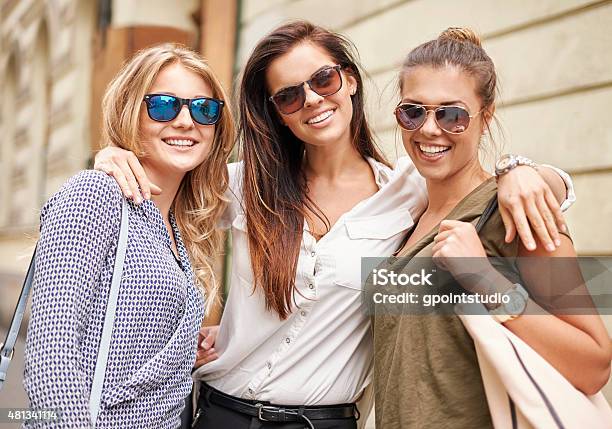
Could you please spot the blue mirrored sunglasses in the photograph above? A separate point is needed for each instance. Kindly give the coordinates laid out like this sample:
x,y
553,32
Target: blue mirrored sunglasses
x,y
164,108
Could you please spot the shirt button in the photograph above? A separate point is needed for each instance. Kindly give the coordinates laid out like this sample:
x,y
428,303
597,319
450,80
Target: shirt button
x,y
287,340
269,365
303,313
311,286
250,391
313,253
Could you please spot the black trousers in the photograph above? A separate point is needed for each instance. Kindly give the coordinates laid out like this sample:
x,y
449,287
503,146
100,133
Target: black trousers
x,y
213,416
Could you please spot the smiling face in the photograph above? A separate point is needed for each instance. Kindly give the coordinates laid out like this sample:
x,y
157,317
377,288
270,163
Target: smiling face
x,y
178,146
437,154
323,120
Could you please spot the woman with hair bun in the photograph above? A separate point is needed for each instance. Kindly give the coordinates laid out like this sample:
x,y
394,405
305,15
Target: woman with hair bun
x,y
426,369
166,106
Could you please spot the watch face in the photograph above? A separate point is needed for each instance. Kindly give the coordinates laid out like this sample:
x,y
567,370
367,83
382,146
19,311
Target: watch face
x,y
503,163
516,304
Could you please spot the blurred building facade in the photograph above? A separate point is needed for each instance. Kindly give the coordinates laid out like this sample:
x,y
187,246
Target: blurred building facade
x,y
56,57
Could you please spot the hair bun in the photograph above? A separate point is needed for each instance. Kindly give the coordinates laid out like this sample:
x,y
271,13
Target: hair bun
x,y
462,34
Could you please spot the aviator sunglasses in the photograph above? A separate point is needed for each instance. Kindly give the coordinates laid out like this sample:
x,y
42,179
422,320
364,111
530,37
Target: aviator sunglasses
x,y
452,119
325,82
165,108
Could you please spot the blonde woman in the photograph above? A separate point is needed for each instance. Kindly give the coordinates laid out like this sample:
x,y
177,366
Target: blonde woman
x,y
167,107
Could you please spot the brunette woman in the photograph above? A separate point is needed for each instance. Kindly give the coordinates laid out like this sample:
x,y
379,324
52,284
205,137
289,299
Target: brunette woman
x,y
426,369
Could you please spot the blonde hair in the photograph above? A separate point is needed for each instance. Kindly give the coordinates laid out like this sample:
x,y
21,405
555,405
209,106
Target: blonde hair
x,y
200,199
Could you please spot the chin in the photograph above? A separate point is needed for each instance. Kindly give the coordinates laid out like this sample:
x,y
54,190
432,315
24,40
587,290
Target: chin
x,y
429,172
187,168
435,176
324,137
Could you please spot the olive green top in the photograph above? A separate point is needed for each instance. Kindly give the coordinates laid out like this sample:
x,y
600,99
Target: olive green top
x,y
426,372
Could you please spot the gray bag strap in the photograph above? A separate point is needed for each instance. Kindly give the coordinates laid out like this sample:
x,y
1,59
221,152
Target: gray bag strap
x,y
109,320
7,349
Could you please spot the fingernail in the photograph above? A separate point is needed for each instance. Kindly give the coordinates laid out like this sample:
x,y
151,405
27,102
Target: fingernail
x,y
550,247
564,228
558,242
531,245
137,199
147,195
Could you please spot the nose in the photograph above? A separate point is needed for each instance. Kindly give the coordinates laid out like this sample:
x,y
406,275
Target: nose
x,y
430,127
183,120
312,98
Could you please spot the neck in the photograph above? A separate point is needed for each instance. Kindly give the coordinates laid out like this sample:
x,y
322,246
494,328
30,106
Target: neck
x,y
445,194
331,161
169,184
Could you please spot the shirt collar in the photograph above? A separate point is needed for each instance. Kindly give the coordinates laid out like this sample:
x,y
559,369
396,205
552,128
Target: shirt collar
x,y
157,224
382,172
182,250
156,221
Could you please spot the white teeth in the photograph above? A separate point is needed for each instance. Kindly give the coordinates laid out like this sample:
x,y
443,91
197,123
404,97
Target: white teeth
x,y
320,118
433,149
176,142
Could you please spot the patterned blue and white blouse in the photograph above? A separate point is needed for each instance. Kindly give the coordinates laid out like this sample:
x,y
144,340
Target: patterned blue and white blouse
x,y
158,315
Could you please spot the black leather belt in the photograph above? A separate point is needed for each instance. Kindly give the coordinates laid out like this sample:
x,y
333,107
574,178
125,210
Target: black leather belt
x,y
276,413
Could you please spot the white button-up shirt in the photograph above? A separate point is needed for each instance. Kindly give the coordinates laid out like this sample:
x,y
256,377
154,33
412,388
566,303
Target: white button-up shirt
x,y
322,353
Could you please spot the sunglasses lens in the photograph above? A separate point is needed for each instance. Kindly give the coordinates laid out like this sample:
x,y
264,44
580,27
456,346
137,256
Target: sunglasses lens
x,y
163,108
206,111
326,82
410,116
453,119
290,100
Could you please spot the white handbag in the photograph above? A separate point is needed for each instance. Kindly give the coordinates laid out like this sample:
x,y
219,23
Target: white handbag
x,y
523,390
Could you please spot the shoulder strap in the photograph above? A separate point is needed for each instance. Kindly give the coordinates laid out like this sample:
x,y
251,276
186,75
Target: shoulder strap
x,y
487,213
109,320
8,347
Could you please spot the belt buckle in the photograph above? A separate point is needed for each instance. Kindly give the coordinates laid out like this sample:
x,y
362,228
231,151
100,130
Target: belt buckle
x,y
261,408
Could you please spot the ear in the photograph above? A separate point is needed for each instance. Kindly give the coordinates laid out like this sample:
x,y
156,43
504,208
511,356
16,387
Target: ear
x,y
351,83
487,116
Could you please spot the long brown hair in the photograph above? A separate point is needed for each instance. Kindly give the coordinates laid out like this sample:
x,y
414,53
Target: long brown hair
x,y
200,199
275,194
